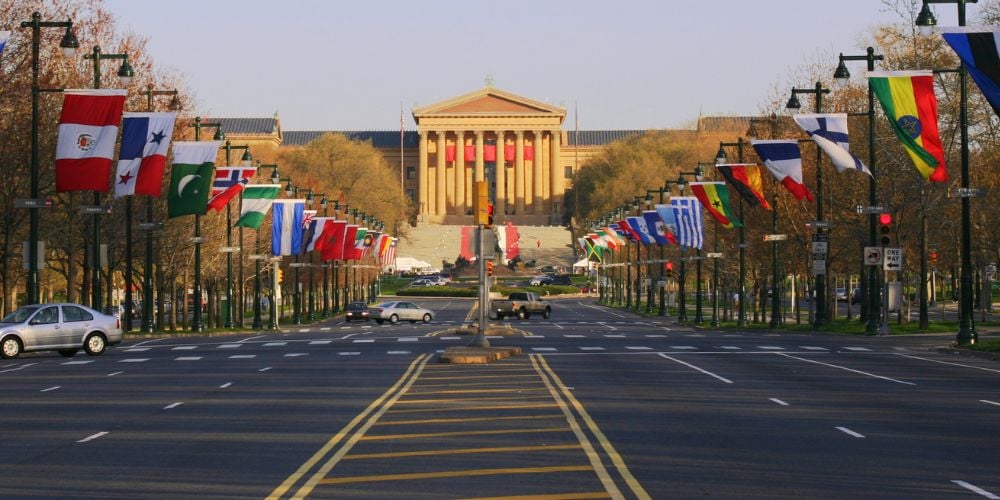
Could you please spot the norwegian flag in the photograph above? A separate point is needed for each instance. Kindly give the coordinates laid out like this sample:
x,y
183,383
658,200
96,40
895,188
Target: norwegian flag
x,y
229,182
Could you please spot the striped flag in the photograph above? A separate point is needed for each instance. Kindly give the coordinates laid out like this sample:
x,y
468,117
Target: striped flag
x,y
784,160
829,132
317,226
229,182
286,227
979,51
257,200
389,255
745,178
714,196
690,226
907,97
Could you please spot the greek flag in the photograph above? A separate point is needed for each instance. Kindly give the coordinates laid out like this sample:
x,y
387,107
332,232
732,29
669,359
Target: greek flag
x,y
690,227
829,132
286,226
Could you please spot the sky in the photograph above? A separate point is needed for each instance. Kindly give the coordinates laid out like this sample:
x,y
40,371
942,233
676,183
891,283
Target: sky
x,y
622,64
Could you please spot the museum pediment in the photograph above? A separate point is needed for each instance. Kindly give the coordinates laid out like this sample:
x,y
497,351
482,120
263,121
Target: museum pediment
x,y
489,101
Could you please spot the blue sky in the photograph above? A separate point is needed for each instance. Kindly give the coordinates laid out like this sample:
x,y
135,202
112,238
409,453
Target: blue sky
x,y
331,65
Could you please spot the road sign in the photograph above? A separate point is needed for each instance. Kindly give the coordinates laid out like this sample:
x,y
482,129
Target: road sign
x,y
819,247
150,226
873,256
229,249
819,267
968,192
95,209
775,237
714,255
893,260
32,203
257,256
877,209
819,224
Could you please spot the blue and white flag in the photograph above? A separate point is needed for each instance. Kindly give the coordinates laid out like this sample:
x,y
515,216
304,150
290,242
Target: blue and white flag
x,y
690,226
639,225
829,132
286,226
4,36
657,228
666,213
784,160
979,50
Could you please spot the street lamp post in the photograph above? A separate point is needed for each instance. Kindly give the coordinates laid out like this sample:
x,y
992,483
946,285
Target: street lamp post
x,y
841,76
69,44
649,296
325,311
246,159
125,74
335,264
196,324
720,157
966,328
257,320
698,173
793,105
147,324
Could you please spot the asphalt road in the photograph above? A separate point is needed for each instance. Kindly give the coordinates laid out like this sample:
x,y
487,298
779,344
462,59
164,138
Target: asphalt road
x,y
602,404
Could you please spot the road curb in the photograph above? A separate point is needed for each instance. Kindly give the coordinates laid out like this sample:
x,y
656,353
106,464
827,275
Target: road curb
x,y
989,356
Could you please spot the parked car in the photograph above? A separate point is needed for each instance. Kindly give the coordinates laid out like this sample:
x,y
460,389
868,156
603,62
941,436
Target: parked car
x,y
841,294
540,280
64,327
356,311
548,269
856,296
561,279
397,311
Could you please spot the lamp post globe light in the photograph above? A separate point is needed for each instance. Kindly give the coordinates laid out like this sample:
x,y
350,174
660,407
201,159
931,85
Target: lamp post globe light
x,y
125,75
793,106
926,21
841,76
720,158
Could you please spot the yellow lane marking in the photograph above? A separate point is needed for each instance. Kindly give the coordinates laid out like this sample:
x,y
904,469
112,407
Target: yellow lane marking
x,y
476,391
301,471
463,451
457,473
557,496
478,377
592,456
468,408
616,459
465,420
492,432
512,397
325,469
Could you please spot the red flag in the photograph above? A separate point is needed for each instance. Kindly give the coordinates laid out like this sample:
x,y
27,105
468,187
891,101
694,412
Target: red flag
x,y
88,131
333,241
349,239
449,152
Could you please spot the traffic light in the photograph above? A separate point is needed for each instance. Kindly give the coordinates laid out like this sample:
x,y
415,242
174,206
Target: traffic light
x,y
489,215
884,228
489,268
281,274
934,256
669,267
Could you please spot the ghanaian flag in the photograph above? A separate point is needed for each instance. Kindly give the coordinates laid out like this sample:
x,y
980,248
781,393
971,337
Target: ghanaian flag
x,y
745,177
714,196
907,97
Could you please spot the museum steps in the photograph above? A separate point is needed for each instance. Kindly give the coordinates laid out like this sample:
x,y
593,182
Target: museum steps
x,y
437,244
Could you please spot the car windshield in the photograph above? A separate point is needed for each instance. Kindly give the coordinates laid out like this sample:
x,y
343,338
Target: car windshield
x,y
19,316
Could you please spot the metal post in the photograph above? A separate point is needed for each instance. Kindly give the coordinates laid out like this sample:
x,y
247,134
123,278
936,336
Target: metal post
x,y
697,299
258,322
682,303
480,339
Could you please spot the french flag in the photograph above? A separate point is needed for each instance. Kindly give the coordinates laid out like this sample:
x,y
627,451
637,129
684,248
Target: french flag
x,y
784,160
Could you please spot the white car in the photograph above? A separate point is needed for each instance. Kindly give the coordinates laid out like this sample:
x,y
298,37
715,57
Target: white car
x,y
66,328
397,311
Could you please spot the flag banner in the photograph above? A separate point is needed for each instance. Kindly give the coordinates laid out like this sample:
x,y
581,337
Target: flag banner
x,y
4,36
627,230
389,256
229,182
690,226
286,226
257,200
191,177
621,233
979,50
638,224
143,154
350,236
614,239
746,178
714,196
829,132
489,152
907,97
378,246
512,249
470,154
666,213
592,251
657,228
468,248
317,226
784,159
369,242
88,131
449,152
355,250
307,227
333,240
529,152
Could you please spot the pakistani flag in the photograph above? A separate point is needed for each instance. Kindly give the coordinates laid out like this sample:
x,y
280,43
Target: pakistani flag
x,y
257,200
191,177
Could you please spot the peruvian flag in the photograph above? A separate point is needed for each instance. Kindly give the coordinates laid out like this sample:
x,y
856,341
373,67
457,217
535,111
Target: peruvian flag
x,y
143,155
88,130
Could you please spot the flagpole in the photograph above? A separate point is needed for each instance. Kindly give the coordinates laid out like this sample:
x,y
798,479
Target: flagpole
x,y
196,324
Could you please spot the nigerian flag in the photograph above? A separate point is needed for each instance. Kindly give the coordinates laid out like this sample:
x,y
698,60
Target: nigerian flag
x,y
257,200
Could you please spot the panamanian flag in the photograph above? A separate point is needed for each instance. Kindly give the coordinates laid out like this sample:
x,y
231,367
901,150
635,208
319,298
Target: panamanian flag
x,y
143,154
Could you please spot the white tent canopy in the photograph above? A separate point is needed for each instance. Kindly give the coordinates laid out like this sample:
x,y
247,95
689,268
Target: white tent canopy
x,y
407,264
584,264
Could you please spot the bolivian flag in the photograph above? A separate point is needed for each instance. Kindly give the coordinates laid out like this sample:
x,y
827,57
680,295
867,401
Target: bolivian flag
x,y
714,196
909,102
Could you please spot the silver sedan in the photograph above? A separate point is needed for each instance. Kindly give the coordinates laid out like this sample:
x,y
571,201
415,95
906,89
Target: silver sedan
x,y
397,311
66,328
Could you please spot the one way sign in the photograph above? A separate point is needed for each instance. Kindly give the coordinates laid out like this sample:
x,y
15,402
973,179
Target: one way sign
x,y
893,260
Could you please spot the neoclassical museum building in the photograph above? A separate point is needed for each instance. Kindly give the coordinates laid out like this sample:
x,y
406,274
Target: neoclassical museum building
x,y
518,145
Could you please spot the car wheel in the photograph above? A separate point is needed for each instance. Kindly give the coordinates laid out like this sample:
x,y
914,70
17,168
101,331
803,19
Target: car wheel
x,y
394,319
547,313
10,348
95,344
380,321
522,314
499,315
427,318
68,353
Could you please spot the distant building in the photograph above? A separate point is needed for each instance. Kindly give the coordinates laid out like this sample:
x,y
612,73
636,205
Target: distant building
x,y
462,140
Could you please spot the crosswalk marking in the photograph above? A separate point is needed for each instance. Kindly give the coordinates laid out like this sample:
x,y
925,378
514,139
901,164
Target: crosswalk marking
x,y
188,358
857,349
243,356
591,348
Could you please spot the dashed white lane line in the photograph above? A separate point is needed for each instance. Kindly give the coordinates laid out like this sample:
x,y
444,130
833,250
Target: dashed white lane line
x,y
81,362
226,385
134,360
544,349
770,348
184,348
638,348
614,336
778,401
275,344
950,363
296,354
92,437
364,341
171,406
408,339
137,349
656,336
857,349
846,369
989,402
682,347
975,489
243,356
53,388
849,432
702,370
112,374
397,352
188,358
813,348
591,348
575,336
536,337
325,329
349,353
230,346
266,368
320,342
730,348
450,338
